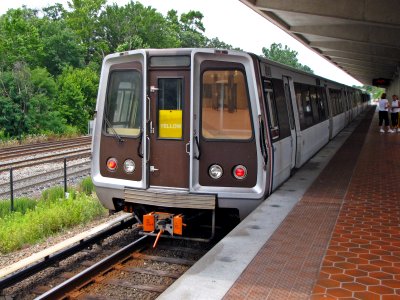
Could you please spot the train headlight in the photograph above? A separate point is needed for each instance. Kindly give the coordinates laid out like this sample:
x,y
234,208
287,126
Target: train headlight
x,y
215,171
129,166
240,172
112,164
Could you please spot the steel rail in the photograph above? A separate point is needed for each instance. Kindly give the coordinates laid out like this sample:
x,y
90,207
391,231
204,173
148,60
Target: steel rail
x,y
41,161
5,185
43,144
36,184
85,276
48,261
8,155
42,157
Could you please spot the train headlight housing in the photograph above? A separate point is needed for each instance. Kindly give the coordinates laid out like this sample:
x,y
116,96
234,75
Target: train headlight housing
x,y
129,166
215,171
112,164
240,172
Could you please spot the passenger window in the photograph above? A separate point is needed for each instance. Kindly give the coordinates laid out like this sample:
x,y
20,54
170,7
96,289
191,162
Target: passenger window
x,y
271,107
300,108
306,100
170,99
281,107
123,109
322,104
314,104
225,105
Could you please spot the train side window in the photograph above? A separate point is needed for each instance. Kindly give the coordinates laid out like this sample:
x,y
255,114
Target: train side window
x,y
281,107
307,107
123,109
314,104
169,106
322,104
225,105
334,102
271,107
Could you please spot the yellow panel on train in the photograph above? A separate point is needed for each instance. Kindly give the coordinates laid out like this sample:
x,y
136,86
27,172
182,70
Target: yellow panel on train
x,y
170,124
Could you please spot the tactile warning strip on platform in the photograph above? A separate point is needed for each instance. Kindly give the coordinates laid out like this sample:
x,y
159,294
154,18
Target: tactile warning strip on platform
x,y
289,266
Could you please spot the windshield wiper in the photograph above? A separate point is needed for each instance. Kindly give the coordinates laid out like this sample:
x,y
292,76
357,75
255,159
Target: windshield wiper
x,y
116,135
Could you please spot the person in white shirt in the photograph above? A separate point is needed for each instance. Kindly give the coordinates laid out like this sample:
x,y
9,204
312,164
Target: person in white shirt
x,y
394,115
383,107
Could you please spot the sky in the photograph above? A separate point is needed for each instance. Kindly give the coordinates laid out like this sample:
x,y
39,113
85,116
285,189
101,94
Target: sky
x,y
233,23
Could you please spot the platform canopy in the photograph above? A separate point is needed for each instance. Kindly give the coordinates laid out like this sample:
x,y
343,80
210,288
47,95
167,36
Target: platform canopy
x,y
362,37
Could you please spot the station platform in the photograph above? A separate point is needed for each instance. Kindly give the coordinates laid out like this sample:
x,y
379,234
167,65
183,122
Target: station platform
x,y
332,231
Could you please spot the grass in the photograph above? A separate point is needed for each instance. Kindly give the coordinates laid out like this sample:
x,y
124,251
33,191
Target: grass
x,y
21,205
35,220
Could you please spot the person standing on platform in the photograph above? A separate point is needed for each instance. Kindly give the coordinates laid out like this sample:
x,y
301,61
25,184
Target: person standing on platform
x,y
394,116
383,107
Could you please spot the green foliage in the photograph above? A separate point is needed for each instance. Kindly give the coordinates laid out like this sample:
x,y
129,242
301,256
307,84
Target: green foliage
x,y
19,38
36,220
86,186
21,205
188,28
83,19
284,56
26,102
53,194
48,218
77,95
50,59
62,46
375,92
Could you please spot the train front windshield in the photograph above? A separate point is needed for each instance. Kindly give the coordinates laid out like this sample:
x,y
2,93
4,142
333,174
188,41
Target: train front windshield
x,y
123,109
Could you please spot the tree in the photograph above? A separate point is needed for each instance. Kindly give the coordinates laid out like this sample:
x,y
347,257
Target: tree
x,y
62,47
20,38
216,43
83,18
188,28
77,90
285,56
134,26
27,102
375,92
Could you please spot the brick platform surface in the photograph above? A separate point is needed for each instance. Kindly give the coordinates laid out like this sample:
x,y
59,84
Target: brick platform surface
x,y
342,240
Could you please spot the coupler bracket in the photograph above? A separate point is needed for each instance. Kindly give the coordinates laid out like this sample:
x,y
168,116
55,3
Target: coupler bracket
x,y
163,222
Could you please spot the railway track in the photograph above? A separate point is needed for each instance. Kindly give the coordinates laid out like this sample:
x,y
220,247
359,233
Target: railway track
x,y
45,159
8,153
27,147
136,271
122,266
35,182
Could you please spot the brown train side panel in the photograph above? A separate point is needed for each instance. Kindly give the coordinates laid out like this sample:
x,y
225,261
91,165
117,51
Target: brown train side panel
x,y
110,147
228,155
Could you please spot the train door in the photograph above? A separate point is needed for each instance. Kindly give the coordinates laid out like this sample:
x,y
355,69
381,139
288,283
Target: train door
x,y
290,96
226,152
168,127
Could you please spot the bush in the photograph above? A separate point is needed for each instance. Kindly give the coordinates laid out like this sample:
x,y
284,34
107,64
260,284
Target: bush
x,y
86,186
21,205
47,218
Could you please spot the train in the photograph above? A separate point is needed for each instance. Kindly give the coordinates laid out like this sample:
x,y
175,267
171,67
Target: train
x,y
182,133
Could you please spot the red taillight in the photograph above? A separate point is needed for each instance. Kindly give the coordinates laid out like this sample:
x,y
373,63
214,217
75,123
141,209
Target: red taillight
x,y
240,172
112,164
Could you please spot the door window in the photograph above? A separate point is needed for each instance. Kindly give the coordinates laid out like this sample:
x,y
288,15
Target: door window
x,y
225,106
170,99
271,107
